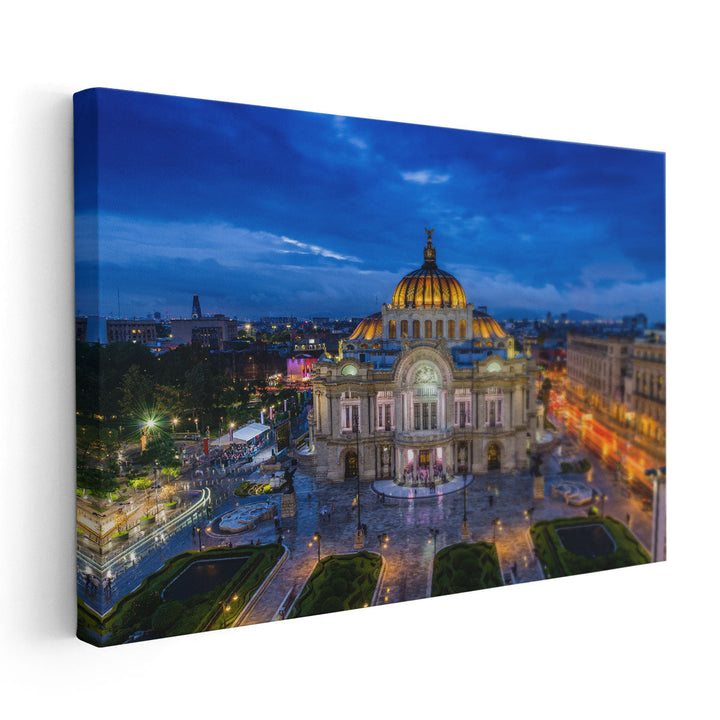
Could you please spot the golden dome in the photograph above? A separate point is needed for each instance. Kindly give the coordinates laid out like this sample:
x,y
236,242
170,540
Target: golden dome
x,y
429,286
368,329
486,327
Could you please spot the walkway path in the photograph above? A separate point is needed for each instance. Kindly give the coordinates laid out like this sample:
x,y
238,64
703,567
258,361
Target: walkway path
x,y
407,521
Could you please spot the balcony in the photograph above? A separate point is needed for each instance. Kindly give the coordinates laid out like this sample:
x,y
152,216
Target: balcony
x,y
425,437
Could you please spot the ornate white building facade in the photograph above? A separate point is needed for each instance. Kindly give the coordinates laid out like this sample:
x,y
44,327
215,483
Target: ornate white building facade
x,y
426,388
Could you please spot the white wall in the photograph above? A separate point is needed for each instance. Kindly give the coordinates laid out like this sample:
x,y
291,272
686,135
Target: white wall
x,y
630,74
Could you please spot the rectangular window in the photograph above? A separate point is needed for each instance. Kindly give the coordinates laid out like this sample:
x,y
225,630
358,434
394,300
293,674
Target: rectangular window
x,y
425,417
403,328
428,328
391,329
416,328
433,416
451,328
416,413
439,328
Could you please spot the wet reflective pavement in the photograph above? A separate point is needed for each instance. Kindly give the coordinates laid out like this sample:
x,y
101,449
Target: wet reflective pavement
x,y
407,522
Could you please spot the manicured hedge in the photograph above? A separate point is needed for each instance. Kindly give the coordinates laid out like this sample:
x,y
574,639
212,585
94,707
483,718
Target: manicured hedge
x,y
558,561
144,608
246,488
339,582
464,567
580,466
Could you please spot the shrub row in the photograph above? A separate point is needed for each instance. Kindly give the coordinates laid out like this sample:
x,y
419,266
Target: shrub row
x,y
558,561
339,582
464,567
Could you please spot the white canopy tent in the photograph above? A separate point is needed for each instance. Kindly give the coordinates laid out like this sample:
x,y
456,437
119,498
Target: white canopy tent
x,y
242,435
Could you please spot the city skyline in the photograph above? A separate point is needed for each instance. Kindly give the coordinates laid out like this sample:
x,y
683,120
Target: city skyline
x,y
262,211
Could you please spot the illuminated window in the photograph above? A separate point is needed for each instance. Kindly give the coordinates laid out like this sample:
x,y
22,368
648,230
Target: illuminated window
x,y
392,329
428,328
494,407
425,415
439,328
403,328
463,329
416,328
349,411
451,328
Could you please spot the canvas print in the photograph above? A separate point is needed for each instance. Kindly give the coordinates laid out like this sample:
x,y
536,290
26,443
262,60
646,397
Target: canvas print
x,y
328,363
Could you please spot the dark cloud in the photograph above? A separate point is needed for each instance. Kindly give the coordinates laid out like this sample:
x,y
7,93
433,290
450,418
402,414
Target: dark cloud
x,y
196,197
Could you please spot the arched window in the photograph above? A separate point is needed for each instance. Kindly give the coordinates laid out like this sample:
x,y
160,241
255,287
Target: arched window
x,y
403,328
392,330
463,329
428,328
416,328
451,328
439,328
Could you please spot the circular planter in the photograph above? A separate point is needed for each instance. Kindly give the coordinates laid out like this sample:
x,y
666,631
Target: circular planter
x,y
147,520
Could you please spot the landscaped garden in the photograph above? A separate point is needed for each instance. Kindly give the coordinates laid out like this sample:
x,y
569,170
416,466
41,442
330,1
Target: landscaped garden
x,y
572,546
579,466
191,593
246,488
339,582
465,566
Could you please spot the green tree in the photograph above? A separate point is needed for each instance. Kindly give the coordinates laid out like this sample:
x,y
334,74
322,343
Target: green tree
x,y
137,391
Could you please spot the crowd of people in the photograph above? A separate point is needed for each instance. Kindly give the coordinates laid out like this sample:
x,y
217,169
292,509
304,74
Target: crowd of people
x,y
421,477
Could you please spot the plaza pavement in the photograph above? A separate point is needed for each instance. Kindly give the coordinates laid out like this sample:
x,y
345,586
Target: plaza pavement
x,y
406,520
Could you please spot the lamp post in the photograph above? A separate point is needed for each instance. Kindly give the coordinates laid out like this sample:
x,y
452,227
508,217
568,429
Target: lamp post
x,y
383,540
359,534
432,537
465,531
198,529
317,537
497,523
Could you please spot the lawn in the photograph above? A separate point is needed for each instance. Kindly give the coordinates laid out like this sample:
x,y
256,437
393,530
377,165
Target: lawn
x,y
465,566
558,561
145,608
339,582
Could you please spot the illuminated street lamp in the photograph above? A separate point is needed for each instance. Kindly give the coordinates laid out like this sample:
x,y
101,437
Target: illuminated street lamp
x,y
603,497
497,523
359,534
316,538
432,538
225,608
383,540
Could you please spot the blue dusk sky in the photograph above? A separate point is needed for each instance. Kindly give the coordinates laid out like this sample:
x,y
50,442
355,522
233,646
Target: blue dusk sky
x,y
262,211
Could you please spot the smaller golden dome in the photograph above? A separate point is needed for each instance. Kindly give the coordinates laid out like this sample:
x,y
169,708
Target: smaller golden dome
x,y
486,327
369,328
